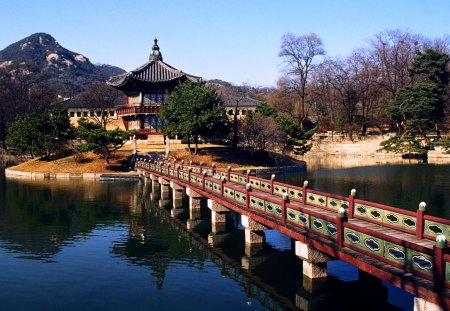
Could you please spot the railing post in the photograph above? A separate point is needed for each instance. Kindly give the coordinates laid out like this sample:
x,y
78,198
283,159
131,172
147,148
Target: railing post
x,y
189,174
351,203
222,181
305,186
283,207
439,250
422,211
213,168
178,171
248,175
228,173
248,189
340,220
272,178
204,174
182,164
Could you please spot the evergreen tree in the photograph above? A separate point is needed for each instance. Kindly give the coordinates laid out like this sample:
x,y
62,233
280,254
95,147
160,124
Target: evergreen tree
x,y
195,110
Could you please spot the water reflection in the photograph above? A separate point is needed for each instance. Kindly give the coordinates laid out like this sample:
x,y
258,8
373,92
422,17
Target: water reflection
x,y
120,242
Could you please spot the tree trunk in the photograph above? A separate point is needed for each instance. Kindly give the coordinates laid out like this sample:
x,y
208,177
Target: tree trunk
x,y
196,144
189,143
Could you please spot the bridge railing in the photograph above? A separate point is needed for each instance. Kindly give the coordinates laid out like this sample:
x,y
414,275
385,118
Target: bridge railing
x,y
278,204
418,223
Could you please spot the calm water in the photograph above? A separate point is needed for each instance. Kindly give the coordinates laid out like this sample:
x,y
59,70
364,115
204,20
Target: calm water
x,y
108,246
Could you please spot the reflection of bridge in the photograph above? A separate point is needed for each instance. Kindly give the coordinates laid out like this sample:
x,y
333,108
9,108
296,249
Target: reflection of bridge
x,y
389,243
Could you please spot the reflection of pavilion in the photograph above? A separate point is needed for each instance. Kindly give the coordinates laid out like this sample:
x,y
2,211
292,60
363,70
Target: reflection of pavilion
x,y
146,89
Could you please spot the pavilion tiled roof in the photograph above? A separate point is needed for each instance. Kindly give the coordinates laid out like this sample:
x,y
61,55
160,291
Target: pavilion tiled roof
x,y
154,71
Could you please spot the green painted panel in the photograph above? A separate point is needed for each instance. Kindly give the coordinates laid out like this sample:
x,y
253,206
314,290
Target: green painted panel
x,y
324,227
256,202
419,261
240,196
265,185
228,192
364,241
395,252
369,212
336,204
255,183
316,199
280,189
234,177
400,220
295,194
242,180
208,184
297,217
273,208
217,187
434,228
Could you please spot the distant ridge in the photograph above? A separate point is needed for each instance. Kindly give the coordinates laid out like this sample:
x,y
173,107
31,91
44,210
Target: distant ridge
x,y
68,72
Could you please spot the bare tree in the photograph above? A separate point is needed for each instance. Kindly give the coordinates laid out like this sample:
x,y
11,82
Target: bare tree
x,y
102,98
262,133
393,52
299,54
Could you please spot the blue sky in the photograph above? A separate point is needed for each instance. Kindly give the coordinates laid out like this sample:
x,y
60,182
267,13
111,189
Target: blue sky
x,y
233,40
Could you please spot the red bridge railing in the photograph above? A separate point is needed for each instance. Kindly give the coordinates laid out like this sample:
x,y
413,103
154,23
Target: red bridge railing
x,y
288,204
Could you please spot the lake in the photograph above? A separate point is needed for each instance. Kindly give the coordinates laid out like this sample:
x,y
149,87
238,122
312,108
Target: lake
x,y
74,245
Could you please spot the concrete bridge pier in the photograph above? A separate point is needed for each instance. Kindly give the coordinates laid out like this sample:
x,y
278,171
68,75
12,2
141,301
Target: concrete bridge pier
x,y
218,222
254,231
155,194
195,202
420,304
165,188
178,192
195,199
314,261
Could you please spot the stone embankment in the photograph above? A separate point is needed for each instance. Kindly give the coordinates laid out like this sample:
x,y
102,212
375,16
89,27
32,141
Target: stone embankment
x,y
368,146
83,176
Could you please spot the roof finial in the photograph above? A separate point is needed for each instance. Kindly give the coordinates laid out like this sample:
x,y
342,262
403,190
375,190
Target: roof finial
x,y
155,54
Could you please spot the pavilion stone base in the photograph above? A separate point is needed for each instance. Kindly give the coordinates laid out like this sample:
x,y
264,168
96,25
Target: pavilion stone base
x,y
421,304
314,261
254,231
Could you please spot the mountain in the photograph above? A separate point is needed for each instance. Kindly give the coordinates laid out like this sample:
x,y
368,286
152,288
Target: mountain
x,y
68,72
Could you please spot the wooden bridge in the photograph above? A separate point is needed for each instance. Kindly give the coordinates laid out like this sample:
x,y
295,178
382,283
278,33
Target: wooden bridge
x,y
408,249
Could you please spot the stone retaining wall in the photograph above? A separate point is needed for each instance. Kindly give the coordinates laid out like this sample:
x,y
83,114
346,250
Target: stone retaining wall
x,y
33,175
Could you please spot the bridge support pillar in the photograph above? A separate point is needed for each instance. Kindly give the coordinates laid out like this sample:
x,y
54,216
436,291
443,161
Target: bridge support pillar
x,y
421,304
165,190
177,191
195,199
254,231
314,261
218,212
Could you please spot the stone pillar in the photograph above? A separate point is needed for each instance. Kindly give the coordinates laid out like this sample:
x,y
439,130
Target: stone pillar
x,y
218,211
165,189
195,199
421,304
177,191
254,231
314,261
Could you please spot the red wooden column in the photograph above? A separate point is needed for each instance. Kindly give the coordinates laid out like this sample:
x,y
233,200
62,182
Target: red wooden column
x,y
305,186
351,203
284,202
228,173
248,189
272,178
341,218
422,211
439,250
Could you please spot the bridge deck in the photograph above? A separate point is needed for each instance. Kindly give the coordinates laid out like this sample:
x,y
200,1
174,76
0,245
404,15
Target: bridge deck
x,y
394,244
